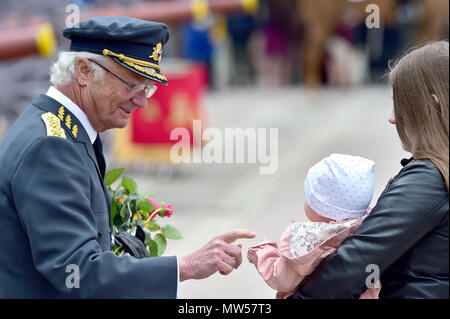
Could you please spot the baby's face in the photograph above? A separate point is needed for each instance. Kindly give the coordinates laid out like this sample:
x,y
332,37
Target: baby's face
x,y
313,216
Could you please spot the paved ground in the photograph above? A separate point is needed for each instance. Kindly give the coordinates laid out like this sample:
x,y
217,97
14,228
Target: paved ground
x,y
212,199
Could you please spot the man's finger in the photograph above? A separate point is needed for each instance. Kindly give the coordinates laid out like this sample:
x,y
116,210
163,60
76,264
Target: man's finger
x,y
234,234
224,268
229,259
234,251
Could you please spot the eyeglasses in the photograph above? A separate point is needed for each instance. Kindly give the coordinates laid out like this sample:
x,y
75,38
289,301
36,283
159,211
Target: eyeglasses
x,y
135,89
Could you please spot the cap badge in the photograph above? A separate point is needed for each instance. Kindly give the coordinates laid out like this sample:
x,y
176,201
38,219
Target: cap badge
x,y
157,52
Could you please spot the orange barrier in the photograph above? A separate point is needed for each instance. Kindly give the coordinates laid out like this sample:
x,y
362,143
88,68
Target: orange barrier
x,y
177,11
37,39
40,39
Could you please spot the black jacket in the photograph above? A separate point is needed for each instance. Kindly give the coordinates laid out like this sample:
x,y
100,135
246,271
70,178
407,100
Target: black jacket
x,y
405,237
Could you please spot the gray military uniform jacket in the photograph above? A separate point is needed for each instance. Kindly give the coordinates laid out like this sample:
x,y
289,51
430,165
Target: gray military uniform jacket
x,y
54,217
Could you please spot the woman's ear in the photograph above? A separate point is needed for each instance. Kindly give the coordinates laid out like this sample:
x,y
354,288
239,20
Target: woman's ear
x,y
83,69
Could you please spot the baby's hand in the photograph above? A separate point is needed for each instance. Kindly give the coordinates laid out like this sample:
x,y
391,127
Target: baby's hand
x,y
251,255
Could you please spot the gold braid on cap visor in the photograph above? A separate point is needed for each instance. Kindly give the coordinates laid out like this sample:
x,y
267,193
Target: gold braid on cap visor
x,y
137,64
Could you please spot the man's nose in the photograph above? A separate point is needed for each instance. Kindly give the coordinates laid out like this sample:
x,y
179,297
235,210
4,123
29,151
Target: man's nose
x,y
140,100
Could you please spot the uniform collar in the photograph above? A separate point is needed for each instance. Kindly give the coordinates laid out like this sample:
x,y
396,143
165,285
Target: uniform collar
x,y
55,94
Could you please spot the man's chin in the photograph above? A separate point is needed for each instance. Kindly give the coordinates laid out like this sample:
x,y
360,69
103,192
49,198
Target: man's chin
x,y
122,124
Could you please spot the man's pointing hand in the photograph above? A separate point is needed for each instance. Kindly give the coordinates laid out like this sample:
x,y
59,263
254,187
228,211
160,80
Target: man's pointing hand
x,y
219,254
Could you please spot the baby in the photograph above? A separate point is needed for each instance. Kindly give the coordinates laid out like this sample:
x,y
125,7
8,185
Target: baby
x,y
338,192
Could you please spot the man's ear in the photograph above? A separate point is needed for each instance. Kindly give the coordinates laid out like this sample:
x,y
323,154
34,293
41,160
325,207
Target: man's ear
x,y
83,70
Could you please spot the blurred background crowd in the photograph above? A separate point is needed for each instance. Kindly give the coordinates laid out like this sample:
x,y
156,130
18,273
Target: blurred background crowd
x,y
278,43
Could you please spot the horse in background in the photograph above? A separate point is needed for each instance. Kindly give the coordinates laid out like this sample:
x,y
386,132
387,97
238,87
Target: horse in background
x,y
321,18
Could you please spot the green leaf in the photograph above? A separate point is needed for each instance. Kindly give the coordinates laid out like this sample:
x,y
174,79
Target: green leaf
x,y
148,236
117,221
123,212
146,206
171,232
153,247
113,175
129,184
153,225
161,241
113,209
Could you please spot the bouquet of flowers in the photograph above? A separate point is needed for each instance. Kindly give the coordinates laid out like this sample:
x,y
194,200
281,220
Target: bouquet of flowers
x,y
134,218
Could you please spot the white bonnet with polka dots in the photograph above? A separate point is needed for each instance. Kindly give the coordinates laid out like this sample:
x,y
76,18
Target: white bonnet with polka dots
x,y
340,186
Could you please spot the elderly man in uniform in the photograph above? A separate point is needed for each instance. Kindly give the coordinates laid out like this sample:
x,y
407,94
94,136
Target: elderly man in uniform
x,y
54,205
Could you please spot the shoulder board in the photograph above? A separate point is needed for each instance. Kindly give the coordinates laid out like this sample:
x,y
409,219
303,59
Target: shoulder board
x,y
53,125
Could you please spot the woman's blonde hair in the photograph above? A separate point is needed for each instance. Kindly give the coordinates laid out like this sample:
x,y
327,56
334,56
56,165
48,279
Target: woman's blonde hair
x,y
420,90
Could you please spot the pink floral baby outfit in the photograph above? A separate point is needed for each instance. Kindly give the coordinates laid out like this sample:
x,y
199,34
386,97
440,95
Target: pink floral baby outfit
x,y
303,247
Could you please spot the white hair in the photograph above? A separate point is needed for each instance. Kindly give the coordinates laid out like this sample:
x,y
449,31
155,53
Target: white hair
x,y
63,71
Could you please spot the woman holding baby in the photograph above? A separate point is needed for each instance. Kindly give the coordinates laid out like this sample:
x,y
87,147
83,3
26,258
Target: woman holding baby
x,y
403,240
